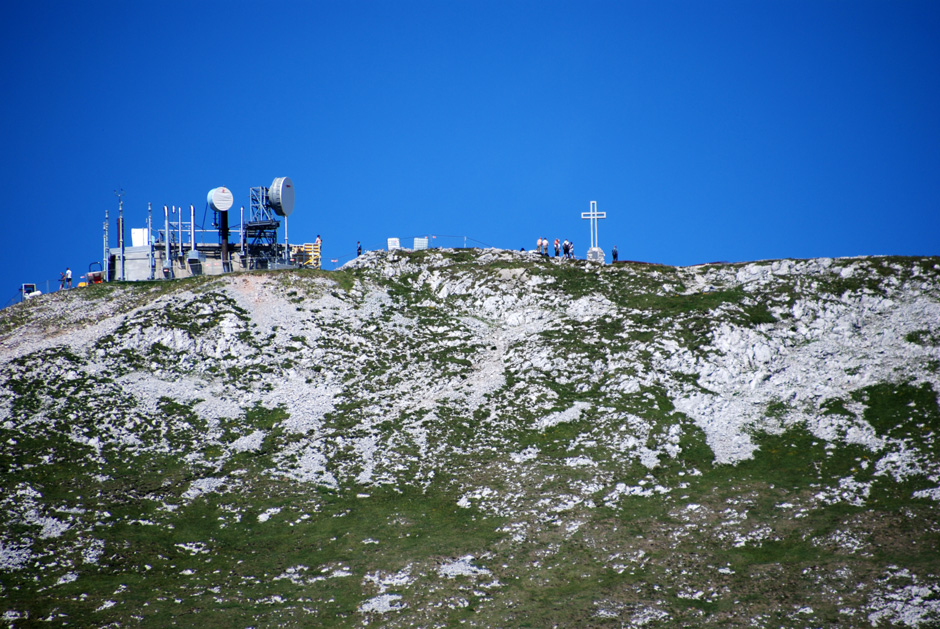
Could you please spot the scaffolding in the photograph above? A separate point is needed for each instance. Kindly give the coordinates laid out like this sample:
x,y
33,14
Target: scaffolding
x,y
259,234
307,255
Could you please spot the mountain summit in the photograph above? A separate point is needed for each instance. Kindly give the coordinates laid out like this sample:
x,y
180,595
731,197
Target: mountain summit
x,y
481,438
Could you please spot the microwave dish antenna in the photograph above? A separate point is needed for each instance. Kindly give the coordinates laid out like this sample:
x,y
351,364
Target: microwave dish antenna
x,y
220,199
281,196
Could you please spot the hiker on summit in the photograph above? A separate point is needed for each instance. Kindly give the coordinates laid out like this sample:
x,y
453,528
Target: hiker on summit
x,y
557,245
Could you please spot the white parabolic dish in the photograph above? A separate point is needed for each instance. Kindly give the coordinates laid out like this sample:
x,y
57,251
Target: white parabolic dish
x,y
281,196
220,199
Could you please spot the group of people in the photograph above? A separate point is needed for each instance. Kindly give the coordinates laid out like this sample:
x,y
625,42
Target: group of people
x,y
565,249
65,279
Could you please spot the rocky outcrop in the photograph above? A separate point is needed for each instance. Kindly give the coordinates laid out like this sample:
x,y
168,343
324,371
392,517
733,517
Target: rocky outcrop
x,y
657,446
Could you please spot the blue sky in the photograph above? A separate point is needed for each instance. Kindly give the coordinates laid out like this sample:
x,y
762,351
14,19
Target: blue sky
x,y
708,131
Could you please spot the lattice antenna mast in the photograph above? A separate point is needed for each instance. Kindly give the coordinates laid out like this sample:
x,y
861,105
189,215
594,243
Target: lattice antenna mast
x,y
106,266
266,205
120,195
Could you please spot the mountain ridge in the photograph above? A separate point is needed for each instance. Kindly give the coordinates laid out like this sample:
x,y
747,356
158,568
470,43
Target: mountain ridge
x,y
572,444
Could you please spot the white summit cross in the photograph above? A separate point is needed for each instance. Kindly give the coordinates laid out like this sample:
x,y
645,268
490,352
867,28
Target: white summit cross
x,y
595,253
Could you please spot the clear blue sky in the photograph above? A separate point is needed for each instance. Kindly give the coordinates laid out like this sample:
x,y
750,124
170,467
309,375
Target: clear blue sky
x,y
718,130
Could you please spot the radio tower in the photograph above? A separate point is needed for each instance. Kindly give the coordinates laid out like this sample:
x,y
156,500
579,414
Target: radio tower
x,y
105,266
120,195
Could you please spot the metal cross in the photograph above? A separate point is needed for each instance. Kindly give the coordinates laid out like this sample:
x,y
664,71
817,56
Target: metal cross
x,y
593,215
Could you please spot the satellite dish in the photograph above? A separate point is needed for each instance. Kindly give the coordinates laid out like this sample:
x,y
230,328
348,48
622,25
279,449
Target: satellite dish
x,y
220,199
281,196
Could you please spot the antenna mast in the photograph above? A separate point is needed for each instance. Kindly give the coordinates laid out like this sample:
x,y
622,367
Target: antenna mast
x,y
120,195
106,264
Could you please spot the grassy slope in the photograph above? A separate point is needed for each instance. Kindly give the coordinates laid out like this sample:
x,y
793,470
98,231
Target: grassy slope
x,y
720,545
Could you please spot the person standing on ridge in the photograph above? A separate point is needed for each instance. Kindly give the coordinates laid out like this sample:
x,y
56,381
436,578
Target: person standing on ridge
x,y
614,253
557,245
68,277
358,248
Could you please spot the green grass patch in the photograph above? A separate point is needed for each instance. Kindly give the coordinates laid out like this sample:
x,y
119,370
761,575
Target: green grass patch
x,y
927,338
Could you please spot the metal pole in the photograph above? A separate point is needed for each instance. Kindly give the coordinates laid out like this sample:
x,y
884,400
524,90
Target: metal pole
x,y
179,228
150,239
223,236
120,226
120,196
192,227
107,251
167,260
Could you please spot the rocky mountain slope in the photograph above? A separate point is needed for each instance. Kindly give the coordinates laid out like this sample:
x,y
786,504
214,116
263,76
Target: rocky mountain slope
x,y
480,438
